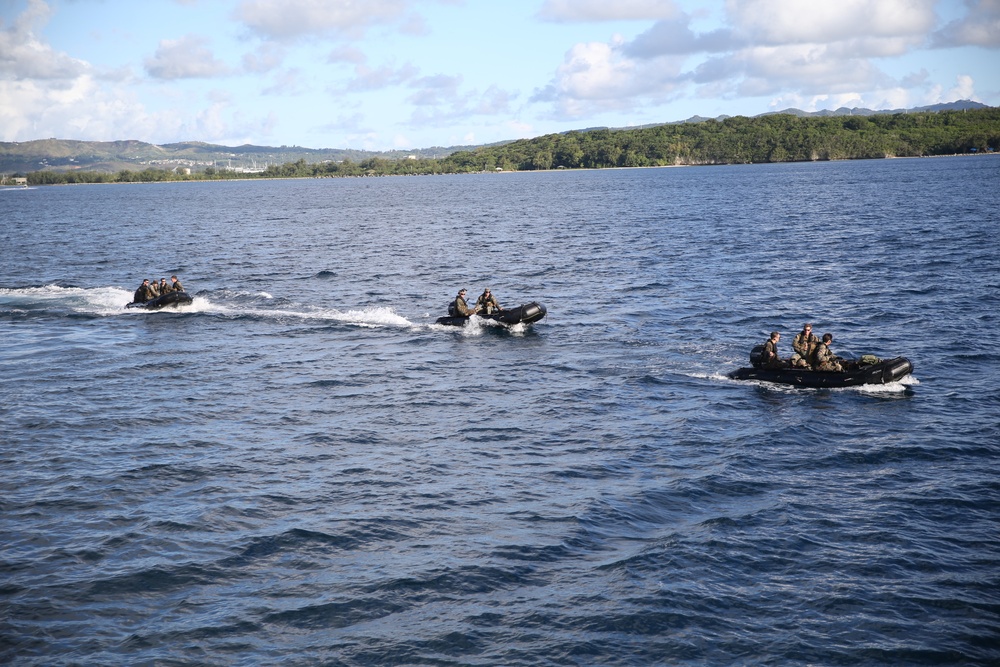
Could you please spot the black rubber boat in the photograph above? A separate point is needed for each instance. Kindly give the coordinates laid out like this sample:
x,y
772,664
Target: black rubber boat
x,y
163,301
881,371
523,314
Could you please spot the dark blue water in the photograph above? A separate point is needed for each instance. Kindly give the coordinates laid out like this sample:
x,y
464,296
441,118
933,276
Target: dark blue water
x,y
301,468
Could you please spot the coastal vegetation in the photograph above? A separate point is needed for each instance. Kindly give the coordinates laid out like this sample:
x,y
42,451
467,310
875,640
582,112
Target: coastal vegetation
x,y
734,140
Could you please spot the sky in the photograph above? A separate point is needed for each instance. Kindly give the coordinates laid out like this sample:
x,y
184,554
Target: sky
x,y
406,74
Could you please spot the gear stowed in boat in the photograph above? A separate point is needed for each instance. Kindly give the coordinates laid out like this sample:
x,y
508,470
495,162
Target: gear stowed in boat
x,y
867,370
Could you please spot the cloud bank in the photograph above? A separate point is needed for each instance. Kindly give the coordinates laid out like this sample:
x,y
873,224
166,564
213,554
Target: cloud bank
x,y
260,66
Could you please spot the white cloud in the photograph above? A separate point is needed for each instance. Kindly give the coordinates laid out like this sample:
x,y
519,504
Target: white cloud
x,y
34,110
765,48
776,22
287,19
494,101
569,11
817,102
24,56
186,58
286,83
596,71
440,102
807,68
415,26
267,57
980,27
885,98
597,77
675,37
367,78
964,89
435,90
346,54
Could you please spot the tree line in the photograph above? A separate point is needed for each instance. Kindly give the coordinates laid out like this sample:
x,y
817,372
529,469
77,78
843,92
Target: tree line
x,y
736,140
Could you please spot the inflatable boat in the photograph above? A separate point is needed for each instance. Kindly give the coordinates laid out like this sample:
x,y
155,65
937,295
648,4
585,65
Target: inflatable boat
x,y
523,314
163,301
869,370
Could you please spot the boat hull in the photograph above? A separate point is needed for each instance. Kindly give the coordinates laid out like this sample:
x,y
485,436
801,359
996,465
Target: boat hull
x,y
523,314
170,299
883,372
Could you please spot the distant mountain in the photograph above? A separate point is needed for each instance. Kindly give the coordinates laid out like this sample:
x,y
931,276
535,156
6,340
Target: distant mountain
x,y
114,156
842,111
959,105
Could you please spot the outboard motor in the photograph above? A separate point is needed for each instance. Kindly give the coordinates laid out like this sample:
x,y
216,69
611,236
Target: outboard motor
x,y
756,356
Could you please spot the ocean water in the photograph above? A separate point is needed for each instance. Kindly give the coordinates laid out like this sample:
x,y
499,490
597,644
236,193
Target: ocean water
x,y
301,468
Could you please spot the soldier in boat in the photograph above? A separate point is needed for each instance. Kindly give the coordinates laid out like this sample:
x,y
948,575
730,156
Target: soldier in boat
x,y
487,303
804,344
144,293
459,307
769,357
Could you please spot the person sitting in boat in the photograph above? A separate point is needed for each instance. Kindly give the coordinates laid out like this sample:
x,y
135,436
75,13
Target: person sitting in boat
x,y
143,294
824,359
459,308
487,302
804,344
164,287
769,357
175,285
154,291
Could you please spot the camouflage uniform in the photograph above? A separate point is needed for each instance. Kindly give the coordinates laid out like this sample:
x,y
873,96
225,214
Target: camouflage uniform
x,y
461,308
825,359
164,287
804,345
487,302
154,291
176,285
142,294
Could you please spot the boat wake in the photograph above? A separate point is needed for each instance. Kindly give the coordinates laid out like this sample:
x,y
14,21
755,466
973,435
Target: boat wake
x,y
110,302
478,326
901,386
55,299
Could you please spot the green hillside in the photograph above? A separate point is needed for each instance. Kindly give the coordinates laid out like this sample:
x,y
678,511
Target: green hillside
x,y
784,137
741,140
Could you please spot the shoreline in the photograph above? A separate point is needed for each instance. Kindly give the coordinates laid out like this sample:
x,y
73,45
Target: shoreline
x,y
469,173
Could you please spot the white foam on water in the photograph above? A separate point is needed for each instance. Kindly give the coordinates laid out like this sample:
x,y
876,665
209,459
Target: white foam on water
x,y
95,301
897,387
370,317
375,316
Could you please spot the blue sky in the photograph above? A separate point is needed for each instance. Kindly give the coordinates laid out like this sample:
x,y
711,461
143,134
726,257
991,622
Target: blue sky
x,y
388,74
